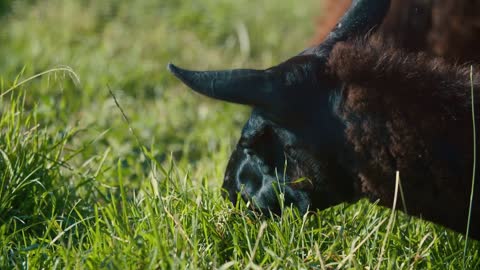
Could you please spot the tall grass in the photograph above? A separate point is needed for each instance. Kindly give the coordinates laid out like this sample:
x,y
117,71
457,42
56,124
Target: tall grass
x,y
83,188
472,192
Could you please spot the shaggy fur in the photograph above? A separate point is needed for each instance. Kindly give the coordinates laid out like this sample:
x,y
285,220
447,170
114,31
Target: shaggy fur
x,y
377,105
447,28
456,29
410,112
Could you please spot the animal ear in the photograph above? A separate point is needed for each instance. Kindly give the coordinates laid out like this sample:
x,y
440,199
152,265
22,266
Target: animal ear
x,y
268,88
258,88
242,86
361,17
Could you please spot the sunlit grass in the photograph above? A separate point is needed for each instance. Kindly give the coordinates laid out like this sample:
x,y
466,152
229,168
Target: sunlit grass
x,y
79,189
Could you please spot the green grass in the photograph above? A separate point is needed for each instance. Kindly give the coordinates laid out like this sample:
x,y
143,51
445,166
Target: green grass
x,y
79,189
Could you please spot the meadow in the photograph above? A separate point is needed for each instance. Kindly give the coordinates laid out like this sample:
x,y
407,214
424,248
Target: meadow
x,y
108,162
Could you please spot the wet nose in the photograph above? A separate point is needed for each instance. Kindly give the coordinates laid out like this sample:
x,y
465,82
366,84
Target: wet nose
x,y
249,177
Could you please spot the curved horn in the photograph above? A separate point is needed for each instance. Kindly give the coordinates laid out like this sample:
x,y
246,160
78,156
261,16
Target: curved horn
x,y
243,86
361,17
266,88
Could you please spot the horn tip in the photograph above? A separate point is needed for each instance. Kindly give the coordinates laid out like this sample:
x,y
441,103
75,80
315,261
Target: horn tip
x,y
172,68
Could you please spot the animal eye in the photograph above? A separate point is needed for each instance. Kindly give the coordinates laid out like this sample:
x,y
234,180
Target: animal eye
x,y
251,139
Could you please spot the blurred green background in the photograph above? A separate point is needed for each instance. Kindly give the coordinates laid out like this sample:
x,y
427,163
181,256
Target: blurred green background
x,y
127,45
80,187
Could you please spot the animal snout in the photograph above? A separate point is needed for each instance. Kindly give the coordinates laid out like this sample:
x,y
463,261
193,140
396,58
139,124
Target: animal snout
x,y
249,179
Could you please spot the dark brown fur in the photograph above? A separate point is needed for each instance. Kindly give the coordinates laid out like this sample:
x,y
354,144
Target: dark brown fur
x,y
456,29
410,112
447,28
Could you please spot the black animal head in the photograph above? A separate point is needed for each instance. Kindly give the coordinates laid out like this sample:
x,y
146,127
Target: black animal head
x,y
293,143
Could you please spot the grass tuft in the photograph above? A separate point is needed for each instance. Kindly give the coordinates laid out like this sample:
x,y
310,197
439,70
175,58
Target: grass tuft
x,y
472,192
81,187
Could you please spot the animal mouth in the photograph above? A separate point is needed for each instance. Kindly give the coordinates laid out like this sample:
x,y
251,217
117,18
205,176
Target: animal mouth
x,y
267,189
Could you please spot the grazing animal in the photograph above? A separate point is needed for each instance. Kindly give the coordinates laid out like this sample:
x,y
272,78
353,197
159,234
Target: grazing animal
x,y
344,116
446,28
